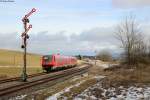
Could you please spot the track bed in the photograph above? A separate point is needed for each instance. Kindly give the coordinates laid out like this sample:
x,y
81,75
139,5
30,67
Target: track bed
x,y
15,86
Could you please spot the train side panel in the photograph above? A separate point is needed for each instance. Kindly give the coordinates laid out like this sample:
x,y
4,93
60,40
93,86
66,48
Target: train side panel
x,y
57,61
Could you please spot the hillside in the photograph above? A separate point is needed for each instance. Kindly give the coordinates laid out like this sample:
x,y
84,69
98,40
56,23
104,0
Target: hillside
x,y
15,58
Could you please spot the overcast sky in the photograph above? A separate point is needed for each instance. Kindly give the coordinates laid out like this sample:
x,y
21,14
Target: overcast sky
x,y
69,26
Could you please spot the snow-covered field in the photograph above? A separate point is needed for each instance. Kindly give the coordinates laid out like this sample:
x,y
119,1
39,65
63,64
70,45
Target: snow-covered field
x,y
97,92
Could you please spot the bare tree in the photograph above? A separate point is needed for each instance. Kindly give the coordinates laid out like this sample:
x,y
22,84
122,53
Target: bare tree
x,y
148,48
130,35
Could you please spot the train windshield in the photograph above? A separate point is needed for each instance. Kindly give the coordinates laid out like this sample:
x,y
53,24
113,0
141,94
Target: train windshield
x,y
47,58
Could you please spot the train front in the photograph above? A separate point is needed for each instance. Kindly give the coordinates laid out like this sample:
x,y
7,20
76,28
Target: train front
x,y
47,62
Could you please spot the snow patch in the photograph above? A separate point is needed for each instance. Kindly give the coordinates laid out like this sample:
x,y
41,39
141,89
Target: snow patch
x,y
120,93
20,97
99,77
57,95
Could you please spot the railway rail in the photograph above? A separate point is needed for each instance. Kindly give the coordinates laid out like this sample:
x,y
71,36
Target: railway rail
x,y
56,76
18,78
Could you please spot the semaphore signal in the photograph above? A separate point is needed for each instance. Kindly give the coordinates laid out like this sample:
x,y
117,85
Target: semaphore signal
x,y
25,36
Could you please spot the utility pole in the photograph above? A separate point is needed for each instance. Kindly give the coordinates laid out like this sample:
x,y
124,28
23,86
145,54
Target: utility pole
x,y
14,60
25,36
95,56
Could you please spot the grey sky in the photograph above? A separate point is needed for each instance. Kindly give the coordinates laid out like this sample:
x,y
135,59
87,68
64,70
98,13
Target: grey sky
x,y
70,26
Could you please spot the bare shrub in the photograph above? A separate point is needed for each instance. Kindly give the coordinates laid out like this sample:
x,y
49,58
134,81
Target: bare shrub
x,y
148,48
104,55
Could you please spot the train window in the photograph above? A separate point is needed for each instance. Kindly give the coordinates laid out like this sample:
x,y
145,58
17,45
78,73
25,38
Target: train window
x,y
47,58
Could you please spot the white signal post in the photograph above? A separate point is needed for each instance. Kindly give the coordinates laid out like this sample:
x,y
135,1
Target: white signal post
x,y
25,36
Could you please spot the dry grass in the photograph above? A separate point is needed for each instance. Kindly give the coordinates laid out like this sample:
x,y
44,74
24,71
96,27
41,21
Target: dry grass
x,y
11,63
6,72
15,58
129,76
122,76
77,90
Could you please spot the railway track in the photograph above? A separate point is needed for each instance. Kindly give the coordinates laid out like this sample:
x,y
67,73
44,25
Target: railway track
x,y
59,75
18,78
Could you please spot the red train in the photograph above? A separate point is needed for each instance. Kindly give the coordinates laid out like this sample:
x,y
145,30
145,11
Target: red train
x,y
54,61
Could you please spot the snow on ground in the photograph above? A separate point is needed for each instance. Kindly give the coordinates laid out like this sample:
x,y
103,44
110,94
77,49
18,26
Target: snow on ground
x,y
106,65
20,97
57,95
102,64
120,93
99,78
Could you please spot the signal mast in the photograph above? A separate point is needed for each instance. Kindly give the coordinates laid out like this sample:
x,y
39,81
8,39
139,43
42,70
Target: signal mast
x,y
25,36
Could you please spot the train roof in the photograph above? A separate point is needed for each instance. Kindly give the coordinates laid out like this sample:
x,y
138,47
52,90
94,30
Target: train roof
x,y
60,56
